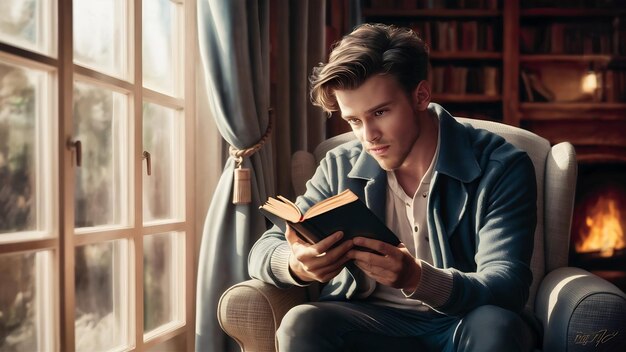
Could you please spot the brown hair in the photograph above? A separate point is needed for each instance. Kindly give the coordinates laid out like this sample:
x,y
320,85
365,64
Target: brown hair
x,y
369,50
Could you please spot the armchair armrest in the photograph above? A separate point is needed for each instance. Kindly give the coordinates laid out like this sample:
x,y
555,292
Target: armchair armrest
x,y
251,311
580,311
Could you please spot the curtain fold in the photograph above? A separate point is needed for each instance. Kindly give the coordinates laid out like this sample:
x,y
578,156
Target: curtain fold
x,y
300,45
234,52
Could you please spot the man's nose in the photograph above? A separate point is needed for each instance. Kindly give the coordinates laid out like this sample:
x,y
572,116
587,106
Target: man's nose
x,y
371,132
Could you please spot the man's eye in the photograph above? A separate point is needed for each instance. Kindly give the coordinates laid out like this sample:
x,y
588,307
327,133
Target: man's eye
x,y
379,113
354,121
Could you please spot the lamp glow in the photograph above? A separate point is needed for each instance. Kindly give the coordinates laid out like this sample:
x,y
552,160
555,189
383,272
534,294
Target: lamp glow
x,y
590,82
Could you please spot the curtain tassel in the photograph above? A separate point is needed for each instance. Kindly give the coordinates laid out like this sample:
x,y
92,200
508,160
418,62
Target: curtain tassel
x,y
242,193
241,187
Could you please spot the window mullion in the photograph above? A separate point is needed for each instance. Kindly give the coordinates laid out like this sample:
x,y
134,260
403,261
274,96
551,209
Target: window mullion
x,y
189,89
66,179
137,55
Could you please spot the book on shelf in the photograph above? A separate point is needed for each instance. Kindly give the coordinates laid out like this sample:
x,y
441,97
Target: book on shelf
x,y
534,88
543,92
491,79
614,86
528,93
342,212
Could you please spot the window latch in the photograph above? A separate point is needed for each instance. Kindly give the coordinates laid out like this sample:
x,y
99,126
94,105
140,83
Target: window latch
x,y
78,148
146,155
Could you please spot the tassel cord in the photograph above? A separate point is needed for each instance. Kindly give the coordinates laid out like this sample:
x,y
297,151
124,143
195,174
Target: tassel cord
x,y
240,154
241,184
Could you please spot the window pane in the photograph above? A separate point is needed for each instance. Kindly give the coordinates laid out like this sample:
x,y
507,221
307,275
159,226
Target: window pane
x,y
26,24
22,141
102,318
163,189
100,35
162,296
101,191
161,54
26,302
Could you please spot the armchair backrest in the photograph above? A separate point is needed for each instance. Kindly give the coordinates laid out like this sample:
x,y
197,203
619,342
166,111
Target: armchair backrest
x,y
556,171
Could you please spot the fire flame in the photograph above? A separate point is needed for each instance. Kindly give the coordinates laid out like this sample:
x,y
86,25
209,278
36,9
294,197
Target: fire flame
x,y
603,231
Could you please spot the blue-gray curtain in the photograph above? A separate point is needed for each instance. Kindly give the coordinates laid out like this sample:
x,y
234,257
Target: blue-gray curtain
x,y
300,45
234,49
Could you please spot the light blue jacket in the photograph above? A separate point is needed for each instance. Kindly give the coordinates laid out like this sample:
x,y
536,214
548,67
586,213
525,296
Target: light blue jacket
x,y
481,221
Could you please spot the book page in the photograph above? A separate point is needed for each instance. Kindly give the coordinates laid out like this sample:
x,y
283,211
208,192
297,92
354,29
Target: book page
x,y
283,208
333,202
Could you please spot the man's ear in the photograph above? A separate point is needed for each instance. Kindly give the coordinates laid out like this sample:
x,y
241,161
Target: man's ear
x,y
421,95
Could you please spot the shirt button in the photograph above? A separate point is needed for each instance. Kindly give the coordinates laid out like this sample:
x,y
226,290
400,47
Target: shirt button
x,y
426,239
416,229
425,194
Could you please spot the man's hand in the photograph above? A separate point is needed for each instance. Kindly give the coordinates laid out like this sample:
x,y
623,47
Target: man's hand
x,y
317,262
394,266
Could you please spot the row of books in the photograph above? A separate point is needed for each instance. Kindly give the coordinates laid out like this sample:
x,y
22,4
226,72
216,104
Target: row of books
x,y
434,4
578,4
572,38
452,79
459,35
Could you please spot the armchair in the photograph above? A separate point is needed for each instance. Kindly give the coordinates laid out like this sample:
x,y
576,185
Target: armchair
x,y
579,311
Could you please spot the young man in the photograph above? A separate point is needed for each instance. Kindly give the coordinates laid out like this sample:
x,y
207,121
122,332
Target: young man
x,y
461,200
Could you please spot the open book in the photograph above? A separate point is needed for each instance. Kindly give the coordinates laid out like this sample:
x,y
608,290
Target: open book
x,y
342,212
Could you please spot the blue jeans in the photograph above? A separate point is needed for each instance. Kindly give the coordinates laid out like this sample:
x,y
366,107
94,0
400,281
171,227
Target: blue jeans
x,y
364,326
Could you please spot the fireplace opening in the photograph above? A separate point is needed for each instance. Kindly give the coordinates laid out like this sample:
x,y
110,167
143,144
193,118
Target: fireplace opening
x,y
598,237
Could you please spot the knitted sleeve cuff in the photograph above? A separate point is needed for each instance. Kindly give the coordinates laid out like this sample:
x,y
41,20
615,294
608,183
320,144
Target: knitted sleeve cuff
x,y
435,286
280,266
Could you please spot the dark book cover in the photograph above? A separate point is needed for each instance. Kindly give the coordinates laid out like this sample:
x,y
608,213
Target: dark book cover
x,y
354,219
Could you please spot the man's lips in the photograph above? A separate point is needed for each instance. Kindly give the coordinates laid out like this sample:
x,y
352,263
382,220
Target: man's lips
x,y
378,150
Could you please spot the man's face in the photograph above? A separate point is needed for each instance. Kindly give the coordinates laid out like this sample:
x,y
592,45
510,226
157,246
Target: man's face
x,y
384,118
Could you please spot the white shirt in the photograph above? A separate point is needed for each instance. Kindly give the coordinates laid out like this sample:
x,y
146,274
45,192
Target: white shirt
x,y
406,217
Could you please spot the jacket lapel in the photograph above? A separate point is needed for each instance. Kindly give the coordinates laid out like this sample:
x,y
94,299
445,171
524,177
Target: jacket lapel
x,y
375,178
456,167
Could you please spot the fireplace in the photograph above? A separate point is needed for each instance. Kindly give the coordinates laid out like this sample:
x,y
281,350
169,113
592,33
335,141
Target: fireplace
x,y
598,237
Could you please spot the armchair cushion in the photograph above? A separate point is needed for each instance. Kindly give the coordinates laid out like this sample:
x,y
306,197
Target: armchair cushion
x,y
580,311
251,311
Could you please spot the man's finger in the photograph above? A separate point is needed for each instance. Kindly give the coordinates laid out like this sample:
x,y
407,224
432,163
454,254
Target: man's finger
x,y
325,244
375,245
292,236
332,257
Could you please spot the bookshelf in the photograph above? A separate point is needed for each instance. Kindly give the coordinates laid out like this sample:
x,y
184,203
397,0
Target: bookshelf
x,y
577,52
550,62
467,50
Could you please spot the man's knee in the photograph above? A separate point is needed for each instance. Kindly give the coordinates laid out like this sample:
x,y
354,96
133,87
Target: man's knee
x,y
301,320
491,319
308,327
491,328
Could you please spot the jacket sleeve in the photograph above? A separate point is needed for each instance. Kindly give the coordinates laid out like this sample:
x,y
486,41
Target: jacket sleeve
x,y
268,259
505,214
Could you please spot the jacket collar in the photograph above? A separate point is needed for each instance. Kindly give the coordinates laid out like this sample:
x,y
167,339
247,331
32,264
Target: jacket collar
x,y
456,155
367,169
456,158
